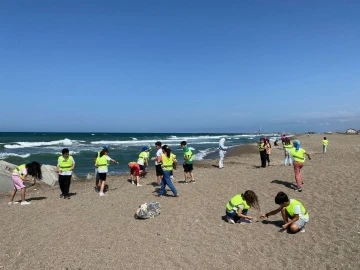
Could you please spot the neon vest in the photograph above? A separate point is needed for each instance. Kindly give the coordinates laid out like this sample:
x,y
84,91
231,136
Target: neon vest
x,y
65,164
299,155
235,202
291,208
142,156
325,142
18,169
288,146
189,155
102,162
167,163
261,147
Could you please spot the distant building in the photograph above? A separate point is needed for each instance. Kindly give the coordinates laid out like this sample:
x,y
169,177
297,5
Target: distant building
x,y
351,130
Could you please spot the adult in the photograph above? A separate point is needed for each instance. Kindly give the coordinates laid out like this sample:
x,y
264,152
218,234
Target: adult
x,y
20,175
64,168
298,155
222,152
167,161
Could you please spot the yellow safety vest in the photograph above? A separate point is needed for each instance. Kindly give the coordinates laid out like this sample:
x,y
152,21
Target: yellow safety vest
x,y
18,169
235,202
102,162
291,208
288,146
261,147
325,142
142,156
299,155
167,163
65,164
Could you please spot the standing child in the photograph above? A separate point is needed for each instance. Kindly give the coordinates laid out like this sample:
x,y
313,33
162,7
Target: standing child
x,y
142,160
102,166
268,150
97,178
325,143
293,213
287,148
19,176
64,168
188,163
238,206
262,152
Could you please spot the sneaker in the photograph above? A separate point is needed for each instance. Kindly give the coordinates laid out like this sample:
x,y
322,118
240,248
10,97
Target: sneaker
x,y
245,221
192,181
25,203
186,182
230,220
67,197
298,189
302,230
97,190
132,182
102,194
61,196
138,185
12,203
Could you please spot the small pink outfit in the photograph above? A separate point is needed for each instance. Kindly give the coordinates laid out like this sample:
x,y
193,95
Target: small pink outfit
x,y
17,181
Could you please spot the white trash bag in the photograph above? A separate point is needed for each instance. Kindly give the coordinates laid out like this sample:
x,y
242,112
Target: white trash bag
x,y
148,210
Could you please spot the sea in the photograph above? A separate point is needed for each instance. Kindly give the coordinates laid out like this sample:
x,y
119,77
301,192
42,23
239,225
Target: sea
x,y
44,147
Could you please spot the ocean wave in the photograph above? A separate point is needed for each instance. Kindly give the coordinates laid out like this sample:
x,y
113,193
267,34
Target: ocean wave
x,y
6,155
70,152
203,153
134,139
65,142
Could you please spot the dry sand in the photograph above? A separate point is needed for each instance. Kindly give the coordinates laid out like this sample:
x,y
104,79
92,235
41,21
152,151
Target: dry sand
x,y
89,232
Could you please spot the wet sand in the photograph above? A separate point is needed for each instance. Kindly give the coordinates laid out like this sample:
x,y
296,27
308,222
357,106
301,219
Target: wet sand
x,y
92,232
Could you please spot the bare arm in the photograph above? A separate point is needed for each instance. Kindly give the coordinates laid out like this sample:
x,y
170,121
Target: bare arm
x,y
296,218
240,214
308,156
271,213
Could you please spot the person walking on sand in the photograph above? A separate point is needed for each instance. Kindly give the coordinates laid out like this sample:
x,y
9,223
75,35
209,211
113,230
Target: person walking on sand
x,y
268,150
167,161
135,172
97,177
222,152
102,163
293,213
188,163
64,168
173,156
325,143
238,206
287,147
298,155
262,151
158,168
20,175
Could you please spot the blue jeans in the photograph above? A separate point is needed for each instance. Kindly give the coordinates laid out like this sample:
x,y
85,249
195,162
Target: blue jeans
x,y
234,215
166,180
288,158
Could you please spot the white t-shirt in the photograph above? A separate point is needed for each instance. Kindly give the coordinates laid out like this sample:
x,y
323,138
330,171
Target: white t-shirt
x,y
105,170
68,172
297,211
158,154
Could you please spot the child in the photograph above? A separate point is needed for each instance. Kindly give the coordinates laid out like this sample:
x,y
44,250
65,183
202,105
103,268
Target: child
x,y
325,144
262,152
19,175
143,160
64,168
135,171
268,150
298,155
290,209
102,166
238,206
97,178
287,147
188,163
222,152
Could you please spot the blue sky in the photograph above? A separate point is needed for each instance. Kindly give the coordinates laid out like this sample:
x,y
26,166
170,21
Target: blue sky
x,y
179,66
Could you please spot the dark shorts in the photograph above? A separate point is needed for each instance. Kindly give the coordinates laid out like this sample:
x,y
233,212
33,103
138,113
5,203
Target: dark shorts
x,y
102,176
159,170
188,167
142,167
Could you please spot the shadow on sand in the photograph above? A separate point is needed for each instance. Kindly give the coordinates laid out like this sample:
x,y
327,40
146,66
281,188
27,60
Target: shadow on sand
x,y
284,183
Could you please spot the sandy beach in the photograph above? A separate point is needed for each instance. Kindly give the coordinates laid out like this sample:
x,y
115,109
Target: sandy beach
x,y
92,232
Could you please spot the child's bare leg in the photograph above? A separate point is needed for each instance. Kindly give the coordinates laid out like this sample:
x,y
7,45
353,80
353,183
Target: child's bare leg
x,y
12,195
23,191
102,187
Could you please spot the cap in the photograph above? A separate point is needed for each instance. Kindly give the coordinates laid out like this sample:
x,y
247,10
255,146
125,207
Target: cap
x,y
106,146
144,148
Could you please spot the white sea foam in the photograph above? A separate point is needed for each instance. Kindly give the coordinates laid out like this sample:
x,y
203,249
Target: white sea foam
x,y
70,152
203,153
134,139
65,142
192,148
6,155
